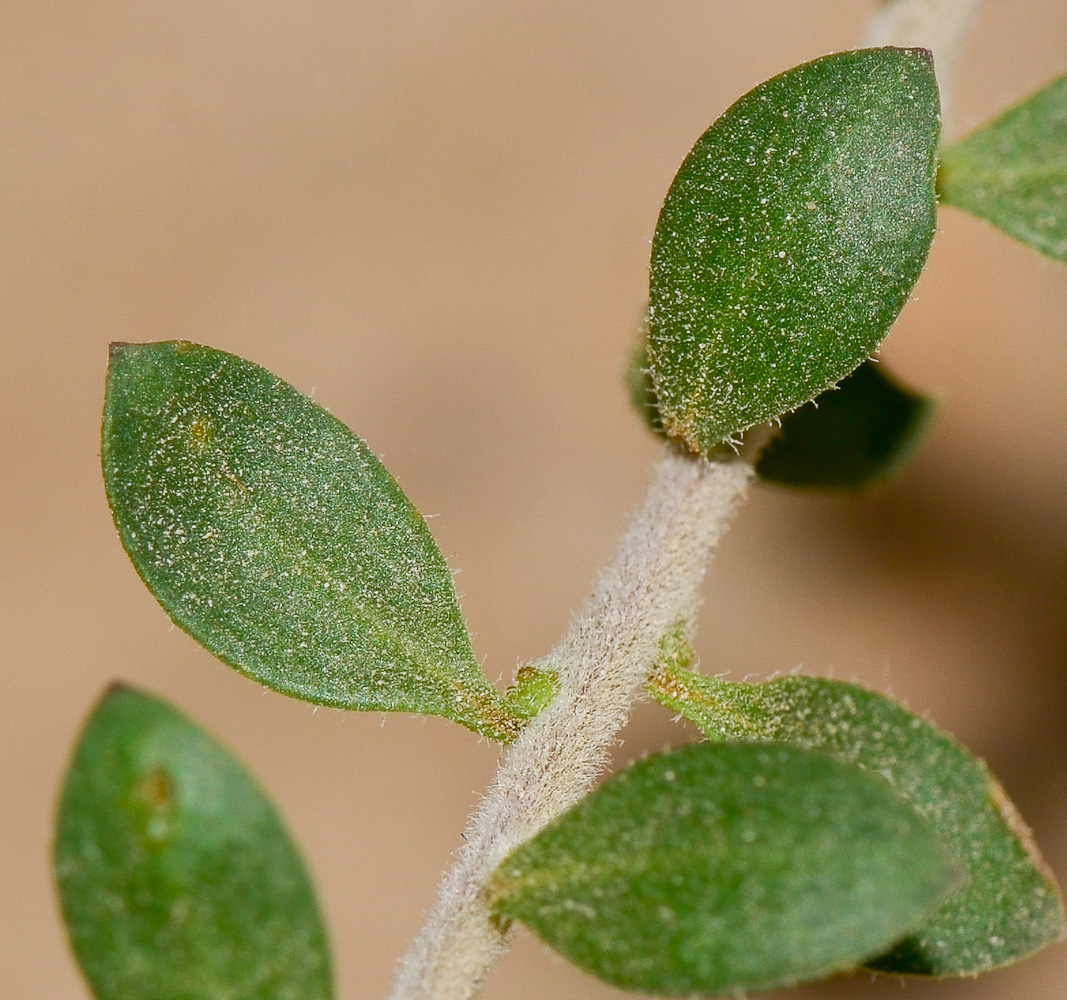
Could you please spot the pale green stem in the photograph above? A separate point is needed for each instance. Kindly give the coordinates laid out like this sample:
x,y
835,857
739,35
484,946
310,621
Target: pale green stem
x,y
651,584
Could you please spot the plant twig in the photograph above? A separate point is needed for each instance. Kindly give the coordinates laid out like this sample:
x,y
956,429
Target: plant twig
x,y
652,583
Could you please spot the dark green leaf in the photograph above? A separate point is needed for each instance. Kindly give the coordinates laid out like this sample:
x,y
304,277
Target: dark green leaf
x,y
275,537
1011,906
640,387
176,876
1012,172
852,436
790,240
715,869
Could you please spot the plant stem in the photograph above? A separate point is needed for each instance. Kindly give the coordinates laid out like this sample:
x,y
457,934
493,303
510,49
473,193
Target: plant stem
x,y
650,585
938,25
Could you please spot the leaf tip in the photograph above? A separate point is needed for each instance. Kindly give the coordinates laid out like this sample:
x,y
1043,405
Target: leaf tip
x,y
1005,808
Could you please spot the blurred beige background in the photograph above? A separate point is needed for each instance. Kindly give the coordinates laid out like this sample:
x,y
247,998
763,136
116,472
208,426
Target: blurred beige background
x,y
435,215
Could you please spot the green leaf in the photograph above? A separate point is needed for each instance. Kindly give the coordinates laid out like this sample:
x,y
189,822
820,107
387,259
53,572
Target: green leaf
x,y
715,869
275,537
790,239
532,691
641,388
852,436
1012,172
1011,905
176,876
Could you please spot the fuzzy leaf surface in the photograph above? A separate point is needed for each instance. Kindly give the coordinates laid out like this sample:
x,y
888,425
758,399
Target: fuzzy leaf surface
x,y
275,537
853,436
176,876
719,868
1011,905
850,437
790,239
1012,172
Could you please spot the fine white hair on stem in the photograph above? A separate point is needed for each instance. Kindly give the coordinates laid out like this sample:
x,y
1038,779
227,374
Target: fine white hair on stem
x,y
652,582
937,25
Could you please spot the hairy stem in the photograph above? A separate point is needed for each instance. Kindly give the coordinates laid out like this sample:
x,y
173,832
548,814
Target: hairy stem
x,y
651,583
938,25
650,586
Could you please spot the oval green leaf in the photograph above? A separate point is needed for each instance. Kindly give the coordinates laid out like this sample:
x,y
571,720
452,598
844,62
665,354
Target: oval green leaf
x,y
720,868
176,876
1012,172
853,436
273,535
790,240
1011,905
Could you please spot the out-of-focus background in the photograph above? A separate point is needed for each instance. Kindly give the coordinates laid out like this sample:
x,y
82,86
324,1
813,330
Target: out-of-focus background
x,y
434,216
